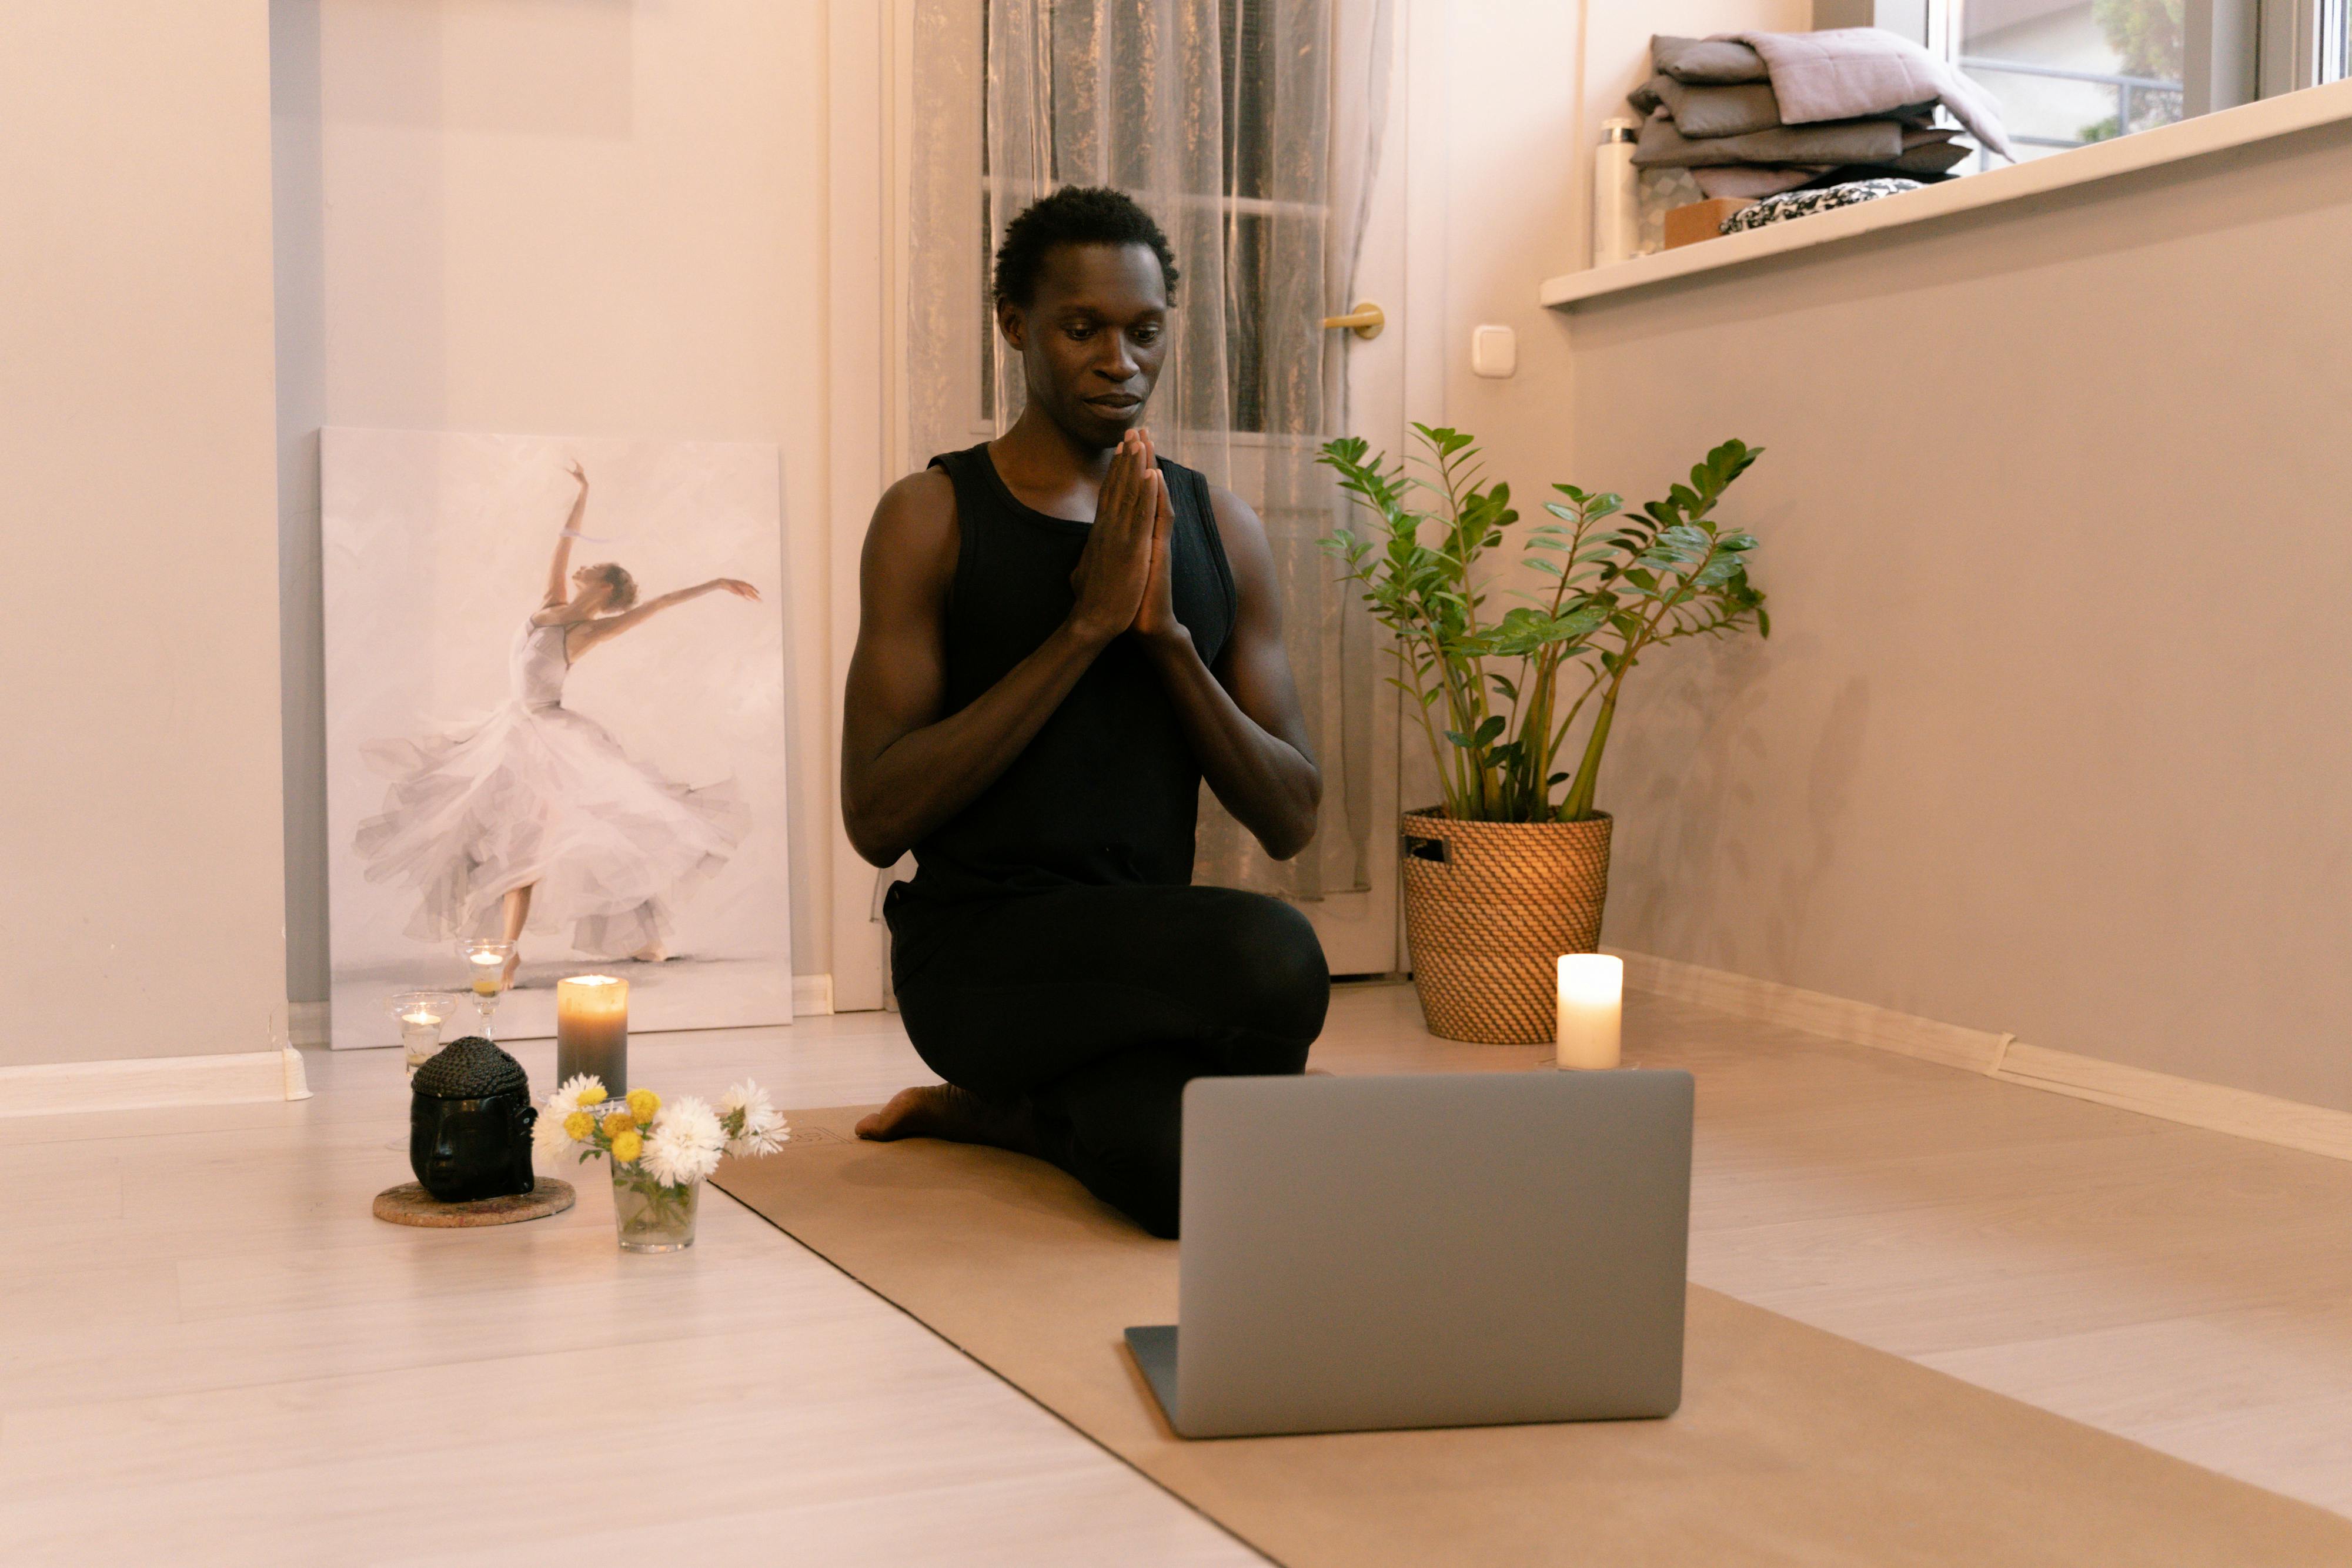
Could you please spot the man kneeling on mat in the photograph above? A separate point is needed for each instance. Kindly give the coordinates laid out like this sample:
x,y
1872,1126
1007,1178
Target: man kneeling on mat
x,y
1061,634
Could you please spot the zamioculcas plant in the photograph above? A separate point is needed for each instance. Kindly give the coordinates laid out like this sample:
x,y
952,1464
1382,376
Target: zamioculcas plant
x,y
1498,694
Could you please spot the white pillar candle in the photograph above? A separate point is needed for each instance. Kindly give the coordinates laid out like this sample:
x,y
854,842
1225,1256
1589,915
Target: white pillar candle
x,y
591,1031
1592,996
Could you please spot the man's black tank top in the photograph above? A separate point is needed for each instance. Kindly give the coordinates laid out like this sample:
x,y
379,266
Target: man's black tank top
x,y
1108,790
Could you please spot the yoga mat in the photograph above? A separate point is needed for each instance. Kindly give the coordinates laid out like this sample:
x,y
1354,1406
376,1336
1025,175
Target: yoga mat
x,y
1792,1445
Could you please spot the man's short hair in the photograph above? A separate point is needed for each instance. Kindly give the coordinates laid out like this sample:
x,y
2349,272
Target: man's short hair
x,y
1074,214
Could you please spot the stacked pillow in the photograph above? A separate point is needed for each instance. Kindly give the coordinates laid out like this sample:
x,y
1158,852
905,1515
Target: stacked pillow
x,y
1711,106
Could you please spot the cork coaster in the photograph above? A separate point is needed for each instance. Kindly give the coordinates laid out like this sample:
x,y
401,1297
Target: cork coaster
x,y
410,1204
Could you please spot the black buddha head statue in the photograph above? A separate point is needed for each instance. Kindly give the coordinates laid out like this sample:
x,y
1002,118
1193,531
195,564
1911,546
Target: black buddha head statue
x,y
469,1123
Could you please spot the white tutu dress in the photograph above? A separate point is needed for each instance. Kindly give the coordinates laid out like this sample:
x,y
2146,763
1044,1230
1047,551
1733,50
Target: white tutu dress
x,y
538,795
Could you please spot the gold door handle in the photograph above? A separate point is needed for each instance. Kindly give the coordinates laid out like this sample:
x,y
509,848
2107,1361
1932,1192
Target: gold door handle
x,y
1365,320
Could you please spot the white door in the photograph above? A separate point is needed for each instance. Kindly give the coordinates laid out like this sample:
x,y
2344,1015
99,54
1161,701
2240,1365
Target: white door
x,y
1391,378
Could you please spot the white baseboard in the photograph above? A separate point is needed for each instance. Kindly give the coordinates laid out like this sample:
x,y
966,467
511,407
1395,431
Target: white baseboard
x,y
308,1023
149,1081
811,994
2314,1129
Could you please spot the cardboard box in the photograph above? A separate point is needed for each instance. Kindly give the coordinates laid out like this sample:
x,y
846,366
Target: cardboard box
x,y
1701,220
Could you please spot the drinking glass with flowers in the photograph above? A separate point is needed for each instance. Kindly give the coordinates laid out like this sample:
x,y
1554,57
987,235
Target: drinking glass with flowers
x,y
660,1150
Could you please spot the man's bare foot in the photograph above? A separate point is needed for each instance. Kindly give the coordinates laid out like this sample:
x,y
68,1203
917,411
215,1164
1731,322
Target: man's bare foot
x,y
506,975
957,1116
654,953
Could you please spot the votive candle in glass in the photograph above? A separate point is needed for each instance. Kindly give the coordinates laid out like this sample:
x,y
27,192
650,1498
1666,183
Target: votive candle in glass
x,y
1591,1001
421,1015
591,1031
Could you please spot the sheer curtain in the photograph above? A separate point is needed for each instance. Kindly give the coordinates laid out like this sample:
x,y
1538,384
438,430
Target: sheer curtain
x,y
1250,128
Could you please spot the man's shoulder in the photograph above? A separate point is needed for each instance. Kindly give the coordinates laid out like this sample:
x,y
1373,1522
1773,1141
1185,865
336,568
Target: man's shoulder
x,y
922,503
1235,517
914,528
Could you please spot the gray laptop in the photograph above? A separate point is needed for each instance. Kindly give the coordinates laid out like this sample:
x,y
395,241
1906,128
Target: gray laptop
x,y
1427,1250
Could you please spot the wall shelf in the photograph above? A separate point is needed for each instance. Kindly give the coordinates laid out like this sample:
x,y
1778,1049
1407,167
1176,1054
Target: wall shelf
x,y
2248,123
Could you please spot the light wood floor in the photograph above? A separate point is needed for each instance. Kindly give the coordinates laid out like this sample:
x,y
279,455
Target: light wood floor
x,y
213,1354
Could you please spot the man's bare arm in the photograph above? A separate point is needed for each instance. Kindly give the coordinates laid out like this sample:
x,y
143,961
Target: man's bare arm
x,y
1243,719
904,769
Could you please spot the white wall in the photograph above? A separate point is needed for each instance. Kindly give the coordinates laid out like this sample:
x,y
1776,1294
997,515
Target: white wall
x,y
596,217
141,850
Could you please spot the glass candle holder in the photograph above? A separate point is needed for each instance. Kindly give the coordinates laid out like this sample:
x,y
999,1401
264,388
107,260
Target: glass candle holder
x,y
421,1015
485,966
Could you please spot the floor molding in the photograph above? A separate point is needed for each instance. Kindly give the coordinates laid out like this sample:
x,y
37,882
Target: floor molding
x,y
147,1082
811,994
2290,1123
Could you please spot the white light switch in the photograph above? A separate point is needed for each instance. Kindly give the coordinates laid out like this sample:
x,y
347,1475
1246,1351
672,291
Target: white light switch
x,y
1494,350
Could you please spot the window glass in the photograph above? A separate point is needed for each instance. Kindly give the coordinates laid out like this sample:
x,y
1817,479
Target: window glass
x,y
2067,73
2333,50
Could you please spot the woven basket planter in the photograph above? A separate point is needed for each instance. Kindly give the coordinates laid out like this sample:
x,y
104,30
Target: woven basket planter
x,y
1487,908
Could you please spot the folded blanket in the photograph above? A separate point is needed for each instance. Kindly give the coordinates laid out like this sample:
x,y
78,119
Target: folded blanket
x,y
1708,60
1929,152
1737,110
1663,146
1709,110
1848,72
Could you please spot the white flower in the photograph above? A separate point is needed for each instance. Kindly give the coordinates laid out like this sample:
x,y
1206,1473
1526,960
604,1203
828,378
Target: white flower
x,y
684,1144
753,1125
547,1136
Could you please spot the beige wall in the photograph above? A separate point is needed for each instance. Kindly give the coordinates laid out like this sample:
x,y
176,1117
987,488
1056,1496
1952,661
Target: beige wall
x,y
2022,753
2051,735
1519,120
592,217
141,850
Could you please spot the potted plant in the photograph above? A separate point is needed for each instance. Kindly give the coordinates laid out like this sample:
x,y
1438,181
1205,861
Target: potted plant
x,y
1511,869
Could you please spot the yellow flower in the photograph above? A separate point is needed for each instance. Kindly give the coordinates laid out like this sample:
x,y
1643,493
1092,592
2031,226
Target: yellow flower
x,y
642,1103
578,1125
627,1146
593,1095
619,1123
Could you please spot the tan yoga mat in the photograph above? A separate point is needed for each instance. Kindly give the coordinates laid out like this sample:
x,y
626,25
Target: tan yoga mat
x,y
1792,1445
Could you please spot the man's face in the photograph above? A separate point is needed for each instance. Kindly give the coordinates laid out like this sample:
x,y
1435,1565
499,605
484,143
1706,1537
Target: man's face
x,y
1092,338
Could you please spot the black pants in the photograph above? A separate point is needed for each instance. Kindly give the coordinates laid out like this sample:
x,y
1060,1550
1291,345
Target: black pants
x,y
1099,1004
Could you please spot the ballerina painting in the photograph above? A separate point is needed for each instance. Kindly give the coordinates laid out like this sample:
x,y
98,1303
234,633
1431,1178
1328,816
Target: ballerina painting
x,y
538,797
576,825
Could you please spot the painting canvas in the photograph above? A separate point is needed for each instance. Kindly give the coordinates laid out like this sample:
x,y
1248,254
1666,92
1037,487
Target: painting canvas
x,y
555,706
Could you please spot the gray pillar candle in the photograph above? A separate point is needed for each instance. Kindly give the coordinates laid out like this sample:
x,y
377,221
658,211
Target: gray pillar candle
x,y
591,1031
